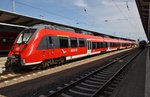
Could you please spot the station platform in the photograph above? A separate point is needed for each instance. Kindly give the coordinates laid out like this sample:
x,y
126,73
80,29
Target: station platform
x,y
136,83
147,82
2,62
3,58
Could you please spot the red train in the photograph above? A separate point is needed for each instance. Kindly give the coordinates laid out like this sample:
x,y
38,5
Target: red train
x,y
47,45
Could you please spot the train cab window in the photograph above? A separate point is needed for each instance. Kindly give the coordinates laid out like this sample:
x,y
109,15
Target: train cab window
x,y
25,35
74,42
81,43
64,42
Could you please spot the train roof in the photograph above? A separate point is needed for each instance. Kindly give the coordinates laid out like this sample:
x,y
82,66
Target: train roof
x,y
18,20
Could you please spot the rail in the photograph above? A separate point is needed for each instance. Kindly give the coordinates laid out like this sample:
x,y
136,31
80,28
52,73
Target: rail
x,y
97,80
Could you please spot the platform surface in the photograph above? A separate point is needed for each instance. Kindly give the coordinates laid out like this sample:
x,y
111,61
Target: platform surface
x,y
136,83
147,80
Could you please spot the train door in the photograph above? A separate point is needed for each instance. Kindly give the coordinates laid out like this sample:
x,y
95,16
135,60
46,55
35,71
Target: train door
x,y
108,46
89,45
53,47
120,45
50,47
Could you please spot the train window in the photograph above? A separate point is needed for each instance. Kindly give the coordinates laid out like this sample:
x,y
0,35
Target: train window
x,y
98,46
81,43
43,43
55,42
106,44
101,45
110,44
64,42
57,27
94,45
50,40
87,32
74,42
69,29
117,44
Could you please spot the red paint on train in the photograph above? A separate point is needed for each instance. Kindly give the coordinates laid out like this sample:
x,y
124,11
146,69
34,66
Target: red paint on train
x,y
48,45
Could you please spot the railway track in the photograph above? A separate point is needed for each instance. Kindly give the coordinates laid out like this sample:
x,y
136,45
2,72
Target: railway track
x,y
13,76
98,83
7,76
19,77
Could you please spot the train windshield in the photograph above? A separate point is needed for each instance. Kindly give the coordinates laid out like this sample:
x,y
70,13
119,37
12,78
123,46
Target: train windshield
x,y
25,35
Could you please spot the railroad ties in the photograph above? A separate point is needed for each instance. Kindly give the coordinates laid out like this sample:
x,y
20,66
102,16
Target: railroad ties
x,y
98,83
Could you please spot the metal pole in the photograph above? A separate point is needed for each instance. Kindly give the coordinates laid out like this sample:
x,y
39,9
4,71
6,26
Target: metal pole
x,y
13,5
148,34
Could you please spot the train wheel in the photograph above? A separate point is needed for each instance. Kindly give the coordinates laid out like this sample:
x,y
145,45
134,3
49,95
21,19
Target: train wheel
x,y
8,67
43,65
61,61
103,52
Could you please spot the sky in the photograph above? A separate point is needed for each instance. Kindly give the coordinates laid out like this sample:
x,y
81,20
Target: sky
x,y
113,17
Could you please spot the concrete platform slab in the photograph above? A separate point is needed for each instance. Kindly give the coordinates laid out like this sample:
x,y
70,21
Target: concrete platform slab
x,y
2,62
133,85
147,80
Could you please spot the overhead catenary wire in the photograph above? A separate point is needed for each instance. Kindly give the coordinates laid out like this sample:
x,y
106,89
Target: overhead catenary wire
x,y
135,21
65,17
130,23
52,13
55,14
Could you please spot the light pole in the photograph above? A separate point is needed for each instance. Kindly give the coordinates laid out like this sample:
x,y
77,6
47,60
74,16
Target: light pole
x,y
13,5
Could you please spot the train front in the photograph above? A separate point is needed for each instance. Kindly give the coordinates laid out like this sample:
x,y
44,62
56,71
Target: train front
x,y
19,50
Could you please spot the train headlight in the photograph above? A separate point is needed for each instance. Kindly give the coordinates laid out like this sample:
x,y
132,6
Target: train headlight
x,y
23,61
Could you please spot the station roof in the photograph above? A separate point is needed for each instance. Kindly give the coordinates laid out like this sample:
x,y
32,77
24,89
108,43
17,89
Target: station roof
x,y
22,21
18,19
144,11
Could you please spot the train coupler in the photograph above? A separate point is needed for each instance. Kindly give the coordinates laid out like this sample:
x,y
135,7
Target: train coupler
x,y
12,64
